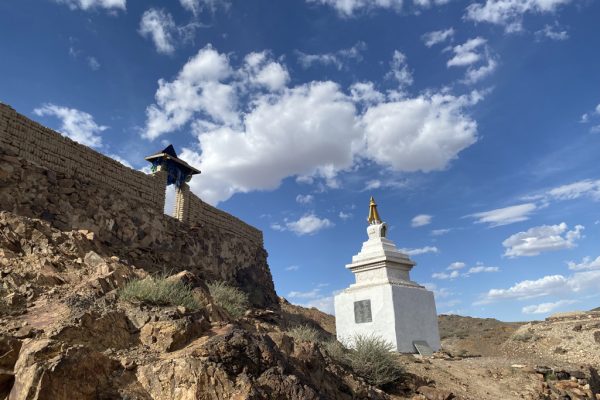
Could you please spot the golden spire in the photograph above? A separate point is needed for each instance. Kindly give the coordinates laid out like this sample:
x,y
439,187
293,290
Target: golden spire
x,y
373,214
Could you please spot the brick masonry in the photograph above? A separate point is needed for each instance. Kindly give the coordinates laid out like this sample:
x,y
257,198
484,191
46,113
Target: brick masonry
x,y
53,151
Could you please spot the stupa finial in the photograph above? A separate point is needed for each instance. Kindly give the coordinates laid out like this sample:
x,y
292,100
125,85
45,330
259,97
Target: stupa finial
x,y
373,214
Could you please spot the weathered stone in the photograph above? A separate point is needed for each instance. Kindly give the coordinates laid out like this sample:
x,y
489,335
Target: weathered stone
x,y
9,353
172,335
432,393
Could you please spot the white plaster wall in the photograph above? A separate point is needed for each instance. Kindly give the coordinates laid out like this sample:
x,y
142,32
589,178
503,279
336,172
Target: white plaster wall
x,y
416,318
382,312
400,314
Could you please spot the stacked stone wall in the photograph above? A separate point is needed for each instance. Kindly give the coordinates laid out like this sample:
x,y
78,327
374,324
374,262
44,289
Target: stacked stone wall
x,y
44,147
191,209
51,150
75,188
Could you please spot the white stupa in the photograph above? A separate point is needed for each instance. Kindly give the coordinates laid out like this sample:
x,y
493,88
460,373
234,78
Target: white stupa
x,y
384,301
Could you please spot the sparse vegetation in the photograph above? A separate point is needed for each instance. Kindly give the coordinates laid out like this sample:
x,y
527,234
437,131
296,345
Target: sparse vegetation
x,y
337,351
230,298
305,333
159,291
373,359
523,337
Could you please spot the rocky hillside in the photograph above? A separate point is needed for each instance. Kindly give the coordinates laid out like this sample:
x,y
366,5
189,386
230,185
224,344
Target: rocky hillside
x,y
65,333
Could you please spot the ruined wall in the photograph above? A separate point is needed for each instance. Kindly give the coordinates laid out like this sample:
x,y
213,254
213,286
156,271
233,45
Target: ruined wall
x,y
35,185
192,210
58,153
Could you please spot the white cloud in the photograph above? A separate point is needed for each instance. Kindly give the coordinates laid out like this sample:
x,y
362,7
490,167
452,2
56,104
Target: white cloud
x,y
421,250
435,37
445,275
260,71
475,74
481,268
121,160
586,264
587,187
347,8
541,239
456,265
467,53
93,63
305,199
553,33
75,124
195,6
423,133
509,13
399,69
92,4
440,232
251,137
506,215
337,59
344,216
160,27
546,307
308,224
292,268
365,93
559,285
421,220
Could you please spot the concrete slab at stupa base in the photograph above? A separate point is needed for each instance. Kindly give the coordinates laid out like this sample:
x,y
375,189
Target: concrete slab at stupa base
x,y
399,314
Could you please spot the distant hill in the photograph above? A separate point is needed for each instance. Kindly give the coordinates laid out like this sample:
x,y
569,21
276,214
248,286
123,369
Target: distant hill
x,y
596,309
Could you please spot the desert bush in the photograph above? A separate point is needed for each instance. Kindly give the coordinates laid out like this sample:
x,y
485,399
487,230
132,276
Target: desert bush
x,y
523,337
159,291
230,298
373,359
337,351
305,333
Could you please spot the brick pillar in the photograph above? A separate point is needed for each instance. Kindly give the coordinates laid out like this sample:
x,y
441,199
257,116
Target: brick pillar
x,y
160,188
182,203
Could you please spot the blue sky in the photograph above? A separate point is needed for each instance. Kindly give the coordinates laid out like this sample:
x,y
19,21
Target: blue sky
x,y
475,124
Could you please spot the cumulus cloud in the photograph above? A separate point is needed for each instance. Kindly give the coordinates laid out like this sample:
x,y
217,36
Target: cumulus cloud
x,y
347,8
75,124
435,37
344,216
541,239
423,133
92,4
305,198
399,69
445,275
505,216
160,27
254,132
546,307
552,33
509,13
476,56
421,220
309,224
577,283
467,53
420,250
338,59
586,264
456,265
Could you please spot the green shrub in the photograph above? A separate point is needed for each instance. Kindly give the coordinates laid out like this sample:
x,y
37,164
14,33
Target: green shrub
x,y
373,359
230,298
305,333
159,291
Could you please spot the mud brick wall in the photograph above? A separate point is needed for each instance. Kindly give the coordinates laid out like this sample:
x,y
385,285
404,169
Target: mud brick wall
x,y
51,150
192,210
44,147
